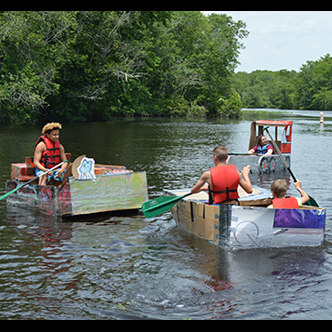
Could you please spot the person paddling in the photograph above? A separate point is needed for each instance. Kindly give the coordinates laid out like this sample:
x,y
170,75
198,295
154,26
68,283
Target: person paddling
x,y
48,153
222,180
279,189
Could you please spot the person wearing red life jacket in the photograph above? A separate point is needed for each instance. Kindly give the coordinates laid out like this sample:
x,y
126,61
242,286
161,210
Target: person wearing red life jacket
x,y
223,180
280,201
49,153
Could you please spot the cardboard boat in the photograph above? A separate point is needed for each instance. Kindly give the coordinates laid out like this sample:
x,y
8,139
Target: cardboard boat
x,y
107,188
266,164
251,224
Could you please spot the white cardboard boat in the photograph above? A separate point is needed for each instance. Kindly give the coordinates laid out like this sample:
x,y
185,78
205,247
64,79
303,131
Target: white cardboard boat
x,y
266,164
250,225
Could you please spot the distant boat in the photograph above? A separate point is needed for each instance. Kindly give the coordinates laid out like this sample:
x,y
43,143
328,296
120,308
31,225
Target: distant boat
x,y
266,164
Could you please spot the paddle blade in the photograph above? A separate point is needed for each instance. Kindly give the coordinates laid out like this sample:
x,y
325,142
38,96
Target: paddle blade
x,y
10,192
265,128
312,202
159,205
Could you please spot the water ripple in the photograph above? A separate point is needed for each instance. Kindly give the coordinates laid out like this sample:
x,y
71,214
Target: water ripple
x,y
118,267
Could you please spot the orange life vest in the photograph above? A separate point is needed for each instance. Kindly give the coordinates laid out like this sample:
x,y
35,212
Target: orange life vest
x,y
225,180
52,155
285,203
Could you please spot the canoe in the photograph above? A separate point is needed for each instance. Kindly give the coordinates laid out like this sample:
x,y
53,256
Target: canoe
x,y
112,188
251,224
266,164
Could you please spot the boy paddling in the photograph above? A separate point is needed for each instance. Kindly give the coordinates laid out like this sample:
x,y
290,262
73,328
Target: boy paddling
x,y
49,153
223,180
279,189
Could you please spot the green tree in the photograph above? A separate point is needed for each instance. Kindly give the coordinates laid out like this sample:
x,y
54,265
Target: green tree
x,y
231,107
30,44
314,84
93,65
266,89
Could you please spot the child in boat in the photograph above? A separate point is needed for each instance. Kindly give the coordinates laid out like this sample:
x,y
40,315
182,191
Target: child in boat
x,y
279,189
49,153
223,180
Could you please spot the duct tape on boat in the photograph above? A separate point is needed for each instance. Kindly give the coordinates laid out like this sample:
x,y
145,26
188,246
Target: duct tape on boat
x,y
280,231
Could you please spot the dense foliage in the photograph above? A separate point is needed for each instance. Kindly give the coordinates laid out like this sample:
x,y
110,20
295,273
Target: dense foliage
x,y
92,66
310,88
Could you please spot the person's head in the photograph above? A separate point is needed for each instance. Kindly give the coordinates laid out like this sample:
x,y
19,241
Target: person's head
x,y
262,140
279,188
51,130
220,154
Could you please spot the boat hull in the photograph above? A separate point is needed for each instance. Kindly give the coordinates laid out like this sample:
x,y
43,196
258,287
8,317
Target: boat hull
x,y
112,192
245,227
260,164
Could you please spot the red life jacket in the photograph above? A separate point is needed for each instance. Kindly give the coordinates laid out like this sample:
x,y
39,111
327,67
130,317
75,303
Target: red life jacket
x,y
285,203
52,155
225,180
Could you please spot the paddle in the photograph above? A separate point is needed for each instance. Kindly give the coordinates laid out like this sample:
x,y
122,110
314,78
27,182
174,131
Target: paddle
x,y
23,185
239,154
160,205
311,201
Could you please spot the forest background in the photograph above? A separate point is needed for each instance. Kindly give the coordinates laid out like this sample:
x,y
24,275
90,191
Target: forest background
x,y
93,66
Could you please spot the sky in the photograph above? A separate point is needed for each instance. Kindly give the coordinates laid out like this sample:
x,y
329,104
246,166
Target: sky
x,y
282,39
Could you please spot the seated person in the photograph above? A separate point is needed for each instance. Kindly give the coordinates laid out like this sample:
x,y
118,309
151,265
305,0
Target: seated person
x,y
280,201
263,147
49,153
222,180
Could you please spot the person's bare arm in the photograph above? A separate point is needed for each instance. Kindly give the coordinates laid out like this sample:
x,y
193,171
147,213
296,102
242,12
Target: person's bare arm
x,y
63,158
40,148
304,196
269,152
245,182
202,183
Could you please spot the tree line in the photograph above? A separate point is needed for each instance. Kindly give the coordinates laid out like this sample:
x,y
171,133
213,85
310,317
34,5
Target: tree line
x,y
308,89
75,66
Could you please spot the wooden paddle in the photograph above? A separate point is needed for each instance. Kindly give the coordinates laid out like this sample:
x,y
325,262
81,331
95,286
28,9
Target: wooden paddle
x,y
312,201
23,185
160,205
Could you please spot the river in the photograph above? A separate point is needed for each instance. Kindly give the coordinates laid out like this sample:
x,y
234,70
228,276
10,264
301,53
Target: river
x,y
130,267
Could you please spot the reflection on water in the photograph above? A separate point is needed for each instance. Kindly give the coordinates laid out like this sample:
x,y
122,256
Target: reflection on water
x,y
129,267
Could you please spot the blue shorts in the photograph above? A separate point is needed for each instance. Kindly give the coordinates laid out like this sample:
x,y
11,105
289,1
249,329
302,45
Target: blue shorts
x,y
49,177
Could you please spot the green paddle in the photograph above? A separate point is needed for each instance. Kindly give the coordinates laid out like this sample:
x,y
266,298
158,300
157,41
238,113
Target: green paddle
x,y
311,201
23,185
160,205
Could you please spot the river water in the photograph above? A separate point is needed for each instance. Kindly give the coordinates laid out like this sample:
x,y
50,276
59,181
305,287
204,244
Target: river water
x,y
130,267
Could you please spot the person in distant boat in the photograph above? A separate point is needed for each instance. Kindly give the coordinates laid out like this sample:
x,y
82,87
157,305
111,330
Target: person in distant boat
x,y
49,153
281,201
263,147
223,180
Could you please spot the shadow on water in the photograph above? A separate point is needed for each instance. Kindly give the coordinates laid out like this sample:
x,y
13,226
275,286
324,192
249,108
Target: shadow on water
x,y
124,266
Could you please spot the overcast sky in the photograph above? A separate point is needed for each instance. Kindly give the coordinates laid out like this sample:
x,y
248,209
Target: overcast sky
x,y
283,39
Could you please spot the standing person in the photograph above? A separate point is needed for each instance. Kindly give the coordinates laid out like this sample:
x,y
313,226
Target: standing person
x,y
263,147
49,153
279,190
222,180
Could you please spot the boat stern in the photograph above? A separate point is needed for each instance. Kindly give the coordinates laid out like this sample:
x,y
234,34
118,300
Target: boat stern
x,y
249,225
